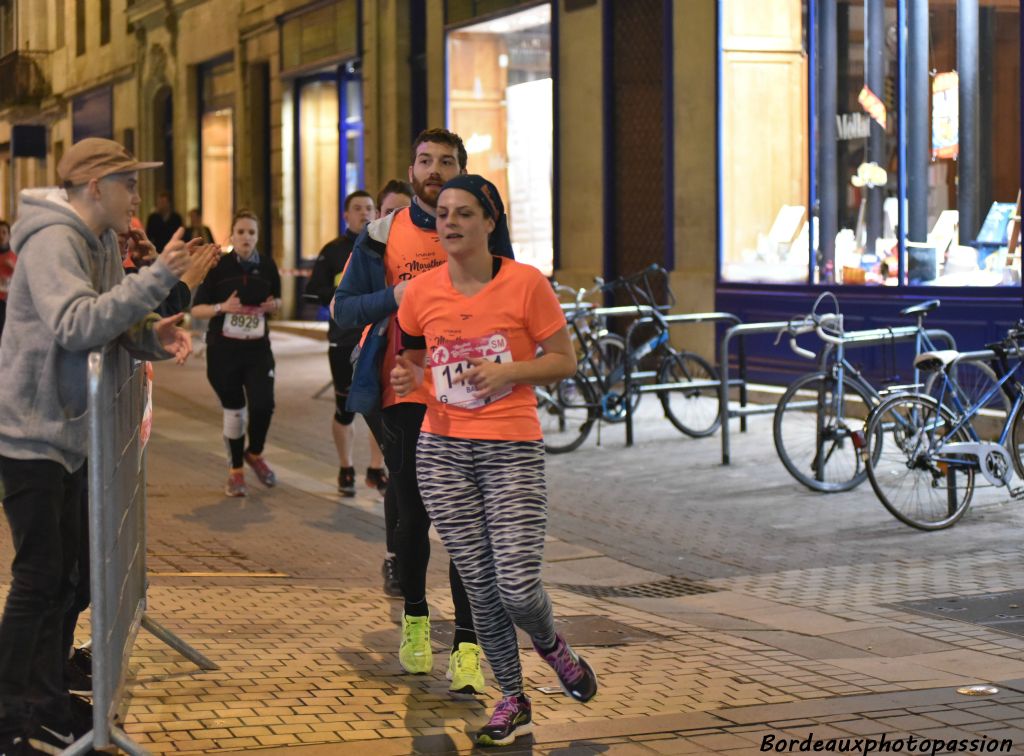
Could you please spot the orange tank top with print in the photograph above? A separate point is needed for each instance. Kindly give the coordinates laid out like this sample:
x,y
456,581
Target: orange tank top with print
x,y
410,251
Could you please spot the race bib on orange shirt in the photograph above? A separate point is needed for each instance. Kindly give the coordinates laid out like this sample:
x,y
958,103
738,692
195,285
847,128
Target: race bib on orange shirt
x,y
448,362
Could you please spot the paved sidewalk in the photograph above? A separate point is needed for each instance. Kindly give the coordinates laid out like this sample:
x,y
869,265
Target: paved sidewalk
x,y
741,606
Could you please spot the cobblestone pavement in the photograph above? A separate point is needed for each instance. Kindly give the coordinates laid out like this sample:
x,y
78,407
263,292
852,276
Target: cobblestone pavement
x,y
745,606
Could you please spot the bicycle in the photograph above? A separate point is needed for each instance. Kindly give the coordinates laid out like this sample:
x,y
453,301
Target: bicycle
x,y
818,426
924,455
569,410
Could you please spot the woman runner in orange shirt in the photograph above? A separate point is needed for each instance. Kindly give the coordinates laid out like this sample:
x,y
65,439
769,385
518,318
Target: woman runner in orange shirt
x,y
471,329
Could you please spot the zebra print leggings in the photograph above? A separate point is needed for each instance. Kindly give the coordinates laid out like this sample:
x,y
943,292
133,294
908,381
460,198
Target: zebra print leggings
x,y
488,501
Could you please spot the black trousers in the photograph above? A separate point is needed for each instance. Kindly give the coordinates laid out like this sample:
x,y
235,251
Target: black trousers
x,y
374,423
401,430
242,375
43,504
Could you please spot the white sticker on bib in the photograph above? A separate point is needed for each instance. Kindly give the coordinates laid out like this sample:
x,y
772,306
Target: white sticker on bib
x,y
449,361
246,325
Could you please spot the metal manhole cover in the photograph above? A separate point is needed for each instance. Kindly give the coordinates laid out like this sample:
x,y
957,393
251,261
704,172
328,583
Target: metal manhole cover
x,y
580,630
670,588
1002,611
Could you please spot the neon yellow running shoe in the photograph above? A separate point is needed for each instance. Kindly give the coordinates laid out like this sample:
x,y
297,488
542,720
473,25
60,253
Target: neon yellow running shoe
x,y
464,670
414,654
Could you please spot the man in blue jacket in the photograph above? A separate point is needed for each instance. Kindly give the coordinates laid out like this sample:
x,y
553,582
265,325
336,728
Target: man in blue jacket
x,y
390,252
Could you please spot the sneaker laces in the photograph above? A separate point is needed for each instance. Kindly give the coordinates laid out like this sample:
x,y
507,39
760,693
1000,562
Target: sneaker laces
x,y
468,659
416,632
506,709
565,663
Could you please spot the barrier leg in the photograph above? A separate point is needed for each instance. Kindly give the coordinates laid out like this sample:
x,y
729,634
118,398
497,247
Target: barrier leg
x,y
323,389
82,745
177,643
122,741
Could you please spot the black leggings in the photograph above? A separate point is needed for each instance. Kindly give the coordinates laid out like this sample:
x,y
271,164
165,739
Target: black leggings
x,y
401,430
243,377
373,422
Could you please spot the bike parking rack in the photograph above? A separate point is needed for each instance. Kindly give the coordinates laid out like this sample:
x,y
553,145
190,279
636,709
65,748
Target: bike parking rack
x,y
869,337
647,314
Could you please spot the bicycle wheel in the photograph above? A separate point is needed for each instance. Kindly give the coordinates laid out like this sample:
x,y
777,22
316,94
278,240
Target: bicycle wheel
x,y
919,484
694,411
608,355
972,380
567,412
814,429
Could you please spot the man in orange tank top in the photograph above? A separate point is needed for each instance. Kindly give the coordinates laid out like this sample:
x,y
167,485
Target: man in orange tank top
x,y
389,253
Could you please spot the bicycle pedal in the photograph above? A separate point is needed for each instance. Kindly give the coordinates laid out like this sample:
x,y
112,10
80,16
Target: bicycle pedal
x,y
1017,493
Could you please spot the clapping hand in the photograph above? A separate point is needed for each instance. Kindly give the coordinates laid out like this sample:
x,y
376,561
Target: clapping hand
x,y
174,340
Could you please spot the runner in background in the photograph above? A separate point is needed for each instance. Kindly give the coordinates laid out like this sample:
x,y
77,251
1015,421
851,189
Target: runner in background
x,y
237,296
395,195
480,458
323,282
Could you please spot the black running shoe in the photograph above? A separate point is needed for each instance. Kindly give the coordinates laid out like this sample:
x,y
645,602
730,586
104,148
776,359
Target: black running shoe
x,y
78,672
81,657
389,570
347,481
575,675
81,715
377,478
512,717
17,745
46,739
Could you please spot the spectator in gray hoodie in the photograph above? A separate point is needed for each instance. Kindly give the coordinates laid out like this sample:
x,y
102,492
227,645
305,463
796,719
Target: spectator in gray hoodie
x,y
68,295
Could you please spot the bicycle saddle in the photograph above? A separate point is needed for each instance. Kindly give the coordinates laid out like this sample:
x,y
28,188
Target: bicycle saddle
x,y
922,308
928,362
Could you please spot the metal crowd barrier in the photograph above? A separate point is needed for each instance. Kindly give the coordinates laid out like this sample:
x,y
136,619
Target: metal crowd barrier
x,y
117,540
870,337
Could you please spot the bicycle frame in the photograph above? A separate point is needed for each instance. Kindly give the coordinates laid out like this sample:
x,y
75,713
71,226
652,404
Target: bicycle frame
x,y
964,415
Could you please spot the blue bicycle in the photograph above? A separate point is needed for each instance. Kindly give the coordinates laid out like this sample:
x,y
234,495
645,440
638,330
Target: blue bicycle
x,y
924,456
686,381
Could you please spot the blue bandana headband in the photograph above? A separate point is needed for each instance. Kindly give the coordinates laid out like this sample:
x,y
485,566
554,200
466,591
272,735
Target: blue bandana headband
x,y
487,194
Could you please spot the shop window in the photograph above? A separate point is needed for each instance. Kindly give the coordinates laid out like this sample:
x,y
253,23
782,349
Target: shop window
x,y
216,153
60,33
329,136
6,27
958,208
500,103
79,27
319,164
104,22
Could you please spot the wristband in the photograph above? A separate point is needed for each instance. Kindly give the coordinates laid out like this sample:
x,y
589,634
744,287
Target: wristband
x,y
217,308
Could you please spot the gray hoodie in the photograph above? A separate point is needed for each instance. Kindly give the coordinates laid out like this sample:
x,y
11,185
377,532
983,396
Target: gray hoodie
x,y
69,295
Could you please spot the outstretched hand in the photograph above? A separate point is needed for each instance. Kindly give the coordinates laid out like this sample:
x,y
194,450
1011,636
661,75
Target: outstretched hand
x,y
176,255
174,340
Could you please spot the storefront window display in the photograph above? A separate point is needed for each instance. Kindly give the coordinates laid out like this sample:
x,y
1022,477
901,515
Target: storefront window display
x,y
329,132
216,150
819,85
500,102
